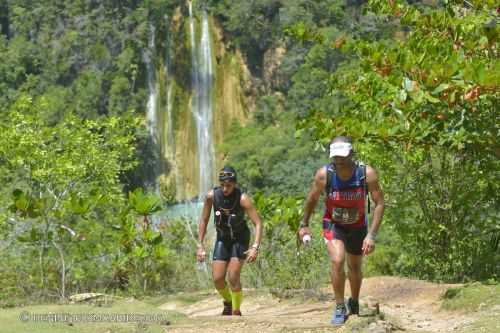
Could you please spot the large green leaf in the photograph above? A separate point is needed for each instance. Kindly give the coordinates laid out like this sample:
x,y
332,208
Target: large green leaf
x,y
144,204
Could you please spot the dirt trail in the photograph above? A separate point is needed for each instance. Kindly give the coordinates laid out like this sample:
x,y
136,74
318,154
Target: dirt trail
x,y
414,304
406,305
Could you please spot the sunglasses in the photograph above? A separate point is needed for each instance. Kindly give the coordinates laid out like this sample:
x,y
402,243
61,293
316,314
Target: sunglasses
x,y
227,174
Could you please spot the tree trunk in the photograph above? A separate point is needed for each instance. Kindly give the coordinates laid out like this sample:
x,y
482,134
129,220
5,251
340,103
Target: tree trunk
x,y
63,270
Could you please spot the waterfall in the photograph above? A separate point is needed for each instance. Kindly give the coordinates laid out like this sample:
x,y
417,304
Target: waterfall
x,y
201,108
151,114
202,76
169,137
205,148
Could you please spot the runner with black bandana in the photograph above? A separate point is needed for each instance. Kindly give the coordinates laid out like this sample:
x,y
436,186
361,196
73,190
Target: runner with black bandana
x,y
231,248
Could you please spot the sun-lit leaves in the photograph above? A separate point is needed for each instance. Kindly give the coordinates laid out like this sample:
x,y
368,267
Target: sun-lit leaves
x,y
65,178
25,204
306,34
277,209
441,68
144,204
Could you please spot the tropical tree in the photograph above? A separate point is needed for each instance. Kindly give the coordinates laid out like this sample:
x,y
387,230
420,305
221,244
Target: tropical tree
x,y
65,186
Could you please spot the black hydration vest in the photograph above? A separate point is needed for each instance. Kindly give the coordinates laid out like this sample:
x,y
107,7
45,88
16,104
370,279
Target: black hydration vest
x,y
228,214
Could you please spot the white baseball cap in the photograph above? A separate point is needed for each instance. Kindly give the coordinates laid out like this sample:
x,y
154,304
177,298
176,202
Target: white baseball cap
x,y
342,149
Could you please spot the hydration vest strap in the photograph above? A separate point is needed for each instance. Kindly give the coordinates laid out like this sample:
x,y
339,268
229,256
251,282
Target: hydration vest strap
x,y
365,184
233,222
330,177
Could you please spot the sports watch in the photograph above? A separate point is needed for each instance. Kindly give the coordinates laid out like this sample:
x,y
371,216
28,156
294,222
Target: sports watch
x,y
256,246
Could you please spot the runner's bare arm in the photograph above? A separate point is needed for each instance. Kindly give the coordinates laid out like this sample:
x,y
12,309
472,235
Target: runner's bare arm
x,y
247,204
318,186
205,216
377,196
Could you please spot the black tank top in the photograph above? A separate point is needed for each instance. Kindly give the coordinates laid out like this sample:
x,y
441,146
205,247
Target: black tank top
x,y
228,214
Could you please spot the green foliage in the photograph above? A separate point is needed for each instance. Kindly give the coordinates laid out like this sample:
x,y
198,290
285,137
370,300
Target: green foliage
x,y
73,46
267,110
71,150
473,297
252,25
270,158
310,89
63,179
85,58
423,84
144,204
304,34
382,261
283,264
143,259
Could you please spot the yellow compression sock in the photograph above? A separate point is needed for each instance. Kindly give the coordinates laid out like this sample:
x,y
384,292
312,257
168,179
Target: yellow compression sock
x,y
237,298
225,293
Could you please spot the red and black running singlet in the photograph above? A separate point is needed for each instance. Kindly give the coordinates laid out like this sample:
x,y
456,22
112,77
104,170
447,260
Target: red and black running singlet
x,y
345,200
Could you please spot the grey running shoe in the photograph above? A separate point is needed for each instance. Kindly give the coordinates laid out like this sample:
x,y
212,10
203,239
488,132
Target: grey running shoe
x,y
339,315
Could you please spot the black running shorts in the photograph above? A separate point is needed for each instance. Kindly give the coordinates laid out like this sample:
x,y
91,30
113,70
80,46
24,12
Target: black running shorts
x,y
352,237
225,249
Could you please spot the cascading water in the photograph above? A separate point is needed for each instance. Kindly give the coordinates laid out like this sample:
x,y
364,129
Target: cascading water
x,y
151,114
201,109
152,119
169,138
202,76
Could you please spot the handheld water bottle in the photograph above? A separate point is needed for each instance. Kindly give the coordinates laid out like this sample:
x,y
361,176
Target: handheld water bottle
x,y
200,266
306,240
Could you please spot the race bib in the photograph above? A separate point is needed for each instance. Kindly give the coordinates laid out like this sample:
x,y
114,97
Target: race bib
x,y
345,215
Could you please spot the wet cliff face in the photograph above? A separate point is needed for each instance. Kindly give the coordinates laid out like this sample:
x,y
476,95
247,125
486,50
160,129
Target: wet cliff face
x,y
233,96
231,101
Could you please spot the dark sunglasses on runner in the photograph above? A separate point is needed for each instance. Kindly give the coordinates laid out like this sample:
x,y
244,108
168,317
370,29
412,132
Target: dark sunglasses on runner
x,y
226,175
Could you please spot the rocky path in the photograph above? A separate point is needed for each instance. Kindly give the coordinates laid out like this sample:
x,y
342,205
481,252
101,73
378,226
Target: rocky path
x,y
403,305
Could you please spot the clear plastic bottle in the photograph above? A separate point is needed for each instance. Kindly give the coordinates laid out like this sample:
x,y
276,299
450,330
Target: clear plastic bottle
x,y
306,240
200,266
